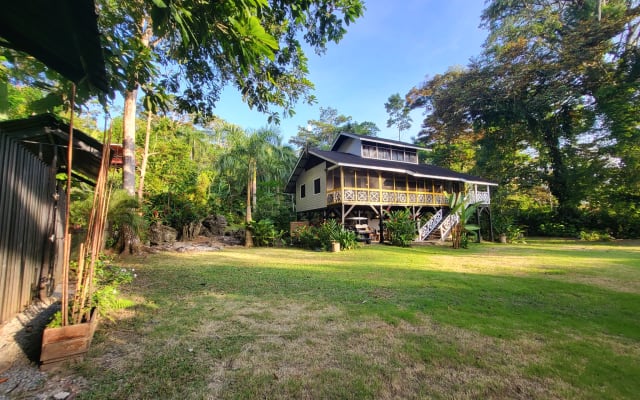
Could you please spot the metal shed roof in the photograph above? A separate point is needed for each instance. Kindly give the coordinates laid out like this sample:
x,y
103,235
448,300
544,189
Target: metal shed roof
x,y
62,34
45,136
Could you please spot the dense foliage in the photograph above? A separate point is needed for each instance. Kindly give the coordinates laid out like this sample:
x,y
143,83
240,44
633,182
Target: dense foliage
x,y
321,237
322,132
548,110
401,227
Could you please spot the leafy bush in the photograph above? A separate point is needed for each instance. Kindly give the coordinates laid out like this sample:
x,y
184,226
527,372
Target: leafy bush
x,y
107,281
515,234
401,227
328,232
595,236
311,237
346,238
308,237
558,229
265,233
173,210
466,238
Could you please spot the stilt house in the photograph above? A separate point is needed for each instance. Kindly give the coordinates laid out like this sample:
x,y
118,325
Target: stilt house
x,y
362,177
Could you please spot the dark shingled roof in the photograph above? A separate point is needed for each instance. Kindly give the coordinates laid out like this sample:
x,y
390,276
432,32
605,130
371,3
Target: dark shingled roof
x,y
341,137
350,160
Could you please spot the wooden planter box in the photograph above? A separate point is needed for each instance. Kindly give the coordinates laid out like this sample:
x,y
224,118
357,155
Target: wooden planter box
x,y
67,343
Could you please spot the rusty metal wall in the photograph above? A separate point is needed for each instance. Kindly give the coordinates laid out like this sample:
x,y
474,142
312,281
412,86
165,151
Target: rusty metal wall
x,y
27,226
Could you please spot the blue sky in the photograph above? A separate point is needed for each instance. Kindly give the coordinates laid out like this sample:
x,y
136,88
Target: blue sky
x,y
392,48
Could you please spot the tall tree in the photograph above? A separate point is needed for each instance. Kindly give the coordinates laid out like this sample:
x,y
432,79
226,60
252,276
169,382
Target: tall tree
x,y
322,132
195,48
398,113
550,105
256,156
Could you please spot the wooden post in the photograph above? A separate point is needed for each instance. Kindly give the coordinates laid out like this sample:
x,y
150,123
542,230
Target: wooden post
x,y
67,235
381,224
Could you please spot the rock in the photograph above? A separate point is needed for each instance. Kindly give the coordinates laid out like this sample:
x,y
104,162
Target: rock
x,y
61,395
161,234
215,224
204,231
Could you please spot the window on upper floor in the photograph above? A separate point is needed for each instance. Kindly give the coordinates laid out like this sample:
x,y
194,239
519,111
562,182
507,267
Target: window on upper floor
x,y
369,151
397,155
316,186
386,152
303,191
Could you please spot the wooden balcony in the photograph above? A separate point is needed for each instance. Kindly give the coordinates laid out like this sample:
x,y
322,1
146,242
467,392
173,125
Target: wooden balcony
x,y
385,197
360,196
480,197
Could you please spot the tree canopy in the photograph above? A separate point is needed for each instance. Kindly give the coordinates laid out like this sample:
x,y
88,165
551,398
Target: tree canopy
x,y
550,103
398,113
322,132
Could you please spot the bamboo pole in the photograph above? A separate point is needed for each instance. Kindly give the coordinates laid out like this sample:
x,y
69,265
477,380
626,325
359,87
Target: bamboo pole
x,y
67,235
95,231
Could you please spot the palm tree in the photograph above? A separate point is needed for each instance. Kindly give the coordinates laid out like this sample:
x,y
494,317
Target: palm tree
x,y
260,150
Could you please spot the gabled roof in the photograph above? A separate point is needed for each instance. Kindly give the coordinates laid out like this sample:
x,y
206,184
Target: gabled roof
x,y
45,135
343,136
350,160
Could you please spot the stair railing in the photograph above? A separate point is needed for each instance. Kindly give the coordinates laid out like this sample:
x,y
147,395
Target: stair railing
x,y
430,226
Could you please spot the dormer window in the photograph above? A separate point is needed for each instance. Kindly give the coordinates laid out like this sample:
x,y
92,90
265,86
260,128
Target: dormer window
x,y
379,151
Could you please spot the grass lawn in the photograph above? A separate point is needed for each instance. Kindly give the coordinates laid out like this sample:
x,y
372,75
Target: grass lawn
x,y
545,320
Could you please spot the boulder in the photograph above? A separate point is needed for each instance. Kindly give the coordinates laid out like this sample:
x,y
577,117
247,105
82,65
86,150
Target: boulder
x,y
216,224
161,234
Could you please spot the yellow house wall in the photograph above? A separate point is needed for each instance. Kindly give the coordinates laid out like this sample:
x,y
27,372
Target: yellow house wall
x,y
312,201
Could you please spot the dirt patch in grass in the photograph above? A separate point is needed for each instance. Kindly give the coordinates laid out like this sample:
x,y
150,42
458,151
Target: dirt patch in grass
x,y
299,342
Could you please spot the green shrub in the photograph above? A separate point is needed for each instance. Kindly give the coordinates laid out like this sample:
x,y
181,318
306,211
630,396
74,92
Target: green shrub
x,y
558,229
265,233
311,237
515,234
346,238
595,236
107,280
401,227
308,237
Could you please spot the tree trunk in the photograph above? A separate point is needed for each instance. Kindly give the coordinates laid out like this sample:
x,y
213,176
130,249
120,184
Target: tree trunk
x,y
248,237
558,180
456,234
129,142
254,184
145,157
128,242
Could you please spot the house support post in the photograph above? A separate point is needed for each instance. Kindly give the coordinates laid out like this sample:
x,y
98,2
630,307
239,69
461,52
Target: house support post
x,y
381,225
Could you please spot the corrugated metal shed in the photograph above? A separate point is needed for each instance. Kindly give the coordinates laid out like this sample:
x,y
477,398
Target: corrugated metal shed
x,y
32,207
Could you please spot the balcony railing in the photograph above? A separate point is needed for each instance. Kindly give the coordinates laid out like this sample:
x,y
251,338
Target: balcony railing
x,y
385,196
478,197
400,197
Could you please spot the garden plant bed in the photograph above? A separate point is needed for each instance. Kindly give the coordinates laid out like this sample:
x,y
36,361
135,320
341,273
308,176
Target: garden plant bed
x,y
67,343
